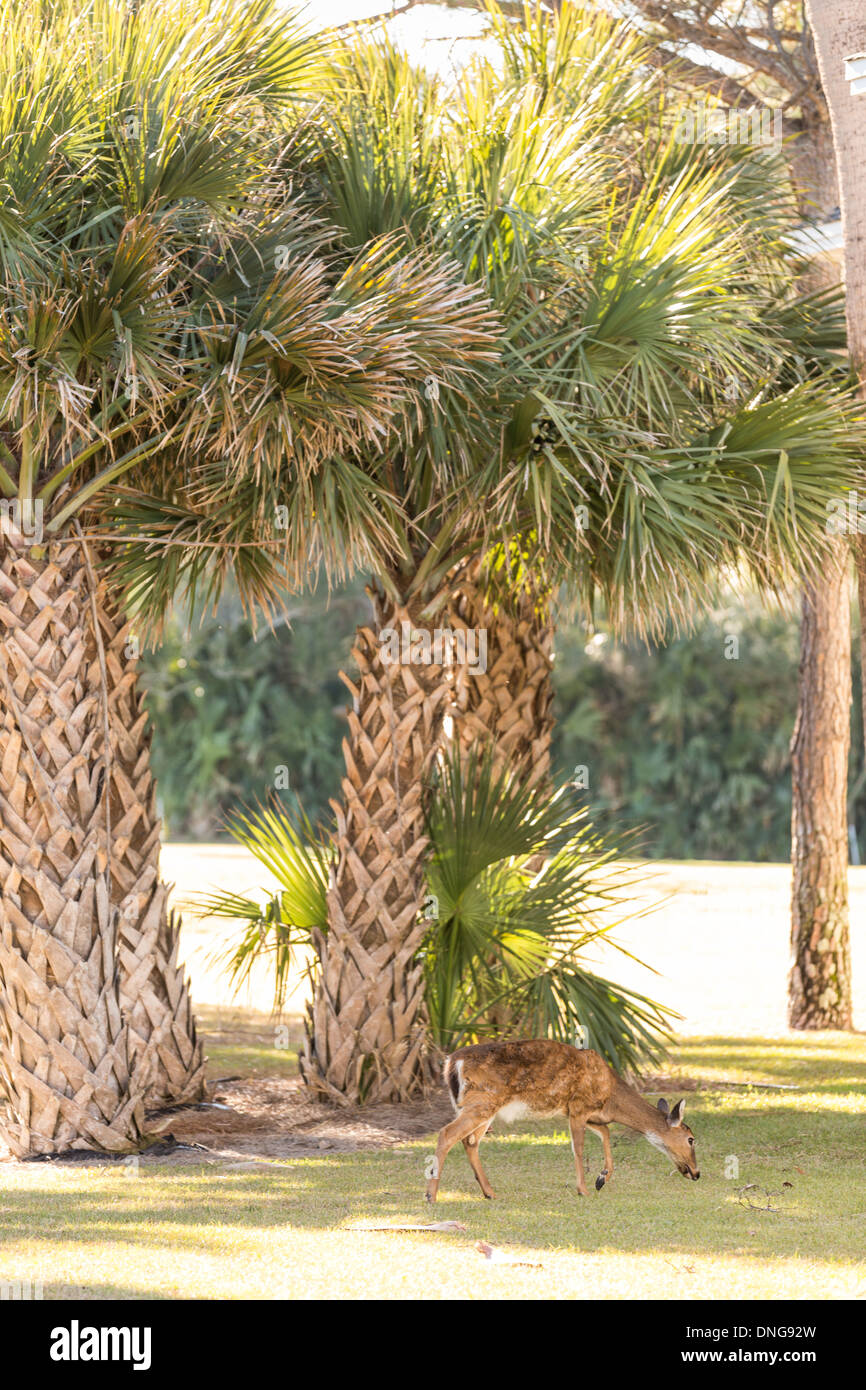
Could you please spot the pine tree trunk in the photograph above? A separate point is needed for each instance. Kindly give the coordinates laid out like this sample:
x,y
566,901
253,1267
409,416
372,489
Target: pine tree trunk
x,y
819,986
510,704
65,1070
839,27
154,993
367,1027
819,989
860,556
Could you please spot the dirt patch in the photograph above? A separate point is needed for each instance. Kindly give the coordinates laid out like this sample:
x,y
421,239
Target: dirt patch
x,y
274,1117
661,1083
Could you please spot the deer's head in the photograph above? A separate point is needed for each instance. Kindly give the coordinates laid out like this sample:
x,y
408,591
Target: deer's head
x,y
678,1140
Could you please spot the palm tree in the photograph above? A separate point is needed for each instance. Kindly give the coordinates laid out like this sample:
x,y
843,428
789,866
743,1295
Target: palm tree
x,y
171,322
638,431
561,54
500,933
788,77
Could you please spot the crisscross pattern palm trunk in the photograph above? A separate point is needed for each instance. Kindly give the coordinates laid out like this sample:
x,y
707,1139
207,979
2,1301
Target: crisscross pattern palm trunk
x,y
509,704
366,1030
154,992
64,1046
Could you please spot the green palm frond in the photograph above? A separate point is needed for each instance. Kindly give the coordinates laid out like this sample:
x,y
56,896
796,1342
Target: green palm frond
x,y
376,152
184,328
567,1002
646,297
521,885
282,927
580,59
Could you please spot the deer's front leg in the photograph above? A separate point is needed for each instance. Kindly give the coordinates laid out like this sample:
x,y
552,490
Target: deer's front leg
x,y
578,1130
607,1171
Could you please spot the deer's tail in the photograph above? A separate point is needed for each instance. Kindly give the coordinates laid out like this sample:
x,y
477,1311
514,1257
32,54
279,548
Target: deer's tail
x,y
451,1077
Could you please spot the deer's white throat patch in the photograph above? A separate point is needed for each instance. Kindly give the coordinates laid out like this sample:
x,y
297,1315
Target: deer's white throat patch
x,y
656,1141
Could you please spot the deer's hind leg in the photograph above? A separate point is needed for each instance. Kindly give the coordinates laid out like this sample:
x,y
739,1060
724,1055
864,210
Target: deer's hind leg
x,y
467,1122
470,1144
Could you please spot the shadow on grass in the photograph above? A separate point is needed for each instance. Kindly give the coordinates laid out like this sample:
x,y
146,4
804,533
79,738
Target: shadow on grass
x,y
647,1208
805,1148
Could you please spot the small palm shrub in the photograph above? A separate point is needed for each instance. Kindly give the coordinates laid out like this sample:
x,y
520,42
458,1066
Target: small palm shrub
x,y
520,886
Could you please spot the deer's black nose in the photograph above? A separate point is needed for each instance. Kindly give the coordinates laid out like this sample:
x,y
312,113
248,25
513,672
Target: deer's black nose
x,y
695,1176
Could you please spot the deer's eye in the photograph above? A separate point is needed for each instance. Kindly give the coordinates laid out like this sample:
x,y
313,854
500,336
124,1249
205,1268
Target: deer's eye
x,y
692,1142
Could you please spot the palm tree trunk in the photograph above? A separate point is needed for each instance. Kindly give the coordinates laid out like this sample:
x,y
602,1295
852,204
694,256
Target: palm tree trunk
x,y
819,984
366,1035
154,993
510,703
507,707
65,1072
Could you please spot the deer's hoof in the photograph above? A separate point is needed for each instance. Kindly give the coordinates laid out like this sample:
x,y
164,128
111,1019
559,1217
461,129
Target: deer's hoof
x,y
600,1181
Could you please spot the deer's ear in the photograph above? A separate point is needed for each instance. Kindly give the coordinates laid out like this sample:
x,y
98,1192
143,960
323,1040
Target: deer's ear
x,y
676,1115
663,1106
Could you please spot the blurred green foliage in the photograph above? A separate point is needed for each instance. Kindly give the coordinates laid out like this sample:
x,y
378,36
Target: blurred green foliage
x,y
231,710
683,740
690,740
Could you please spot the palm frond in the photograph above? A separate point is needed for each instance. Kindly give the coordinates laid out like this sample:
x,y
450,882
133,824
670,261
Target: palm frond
x,y
284,926
508,930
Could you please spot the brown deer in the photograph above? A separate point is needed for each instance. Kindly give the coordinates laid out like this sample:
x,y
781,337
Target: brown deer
x,y
544,1078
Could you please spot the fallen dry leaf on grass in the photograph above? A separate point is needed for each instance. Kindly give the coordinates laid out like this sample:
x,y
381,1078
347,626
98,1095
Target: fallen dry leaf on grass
x,y
431,1226
502,1257
744,1197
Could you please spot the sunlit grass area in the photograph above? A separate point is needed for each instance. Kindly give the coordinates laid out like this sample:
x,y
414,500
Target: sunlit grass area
x,y
249,1042
283,1228
769,1108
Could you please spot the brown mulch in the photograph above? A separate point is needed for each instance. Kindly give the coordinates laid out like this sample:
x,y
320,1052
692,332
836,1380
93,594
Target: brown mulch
x,y
277,1118
662,1083
249,1119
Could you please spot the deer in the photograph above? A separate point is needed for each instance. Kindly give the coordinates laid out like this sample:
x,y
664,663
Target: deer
x,y
540,1077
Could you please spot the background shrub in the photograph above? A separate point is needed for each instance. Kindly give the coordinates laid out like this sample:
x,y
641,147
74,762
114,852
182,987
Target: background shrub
x,y
687,741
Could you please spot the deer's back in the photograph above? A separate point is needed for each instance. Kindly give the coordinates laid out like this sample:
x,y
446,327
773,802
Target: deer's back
x,y
534,1076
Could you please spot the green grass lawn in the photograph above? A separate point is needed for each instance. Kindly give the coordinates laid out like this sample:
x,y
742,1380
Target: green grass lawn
x,y
282,1228
241,1042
